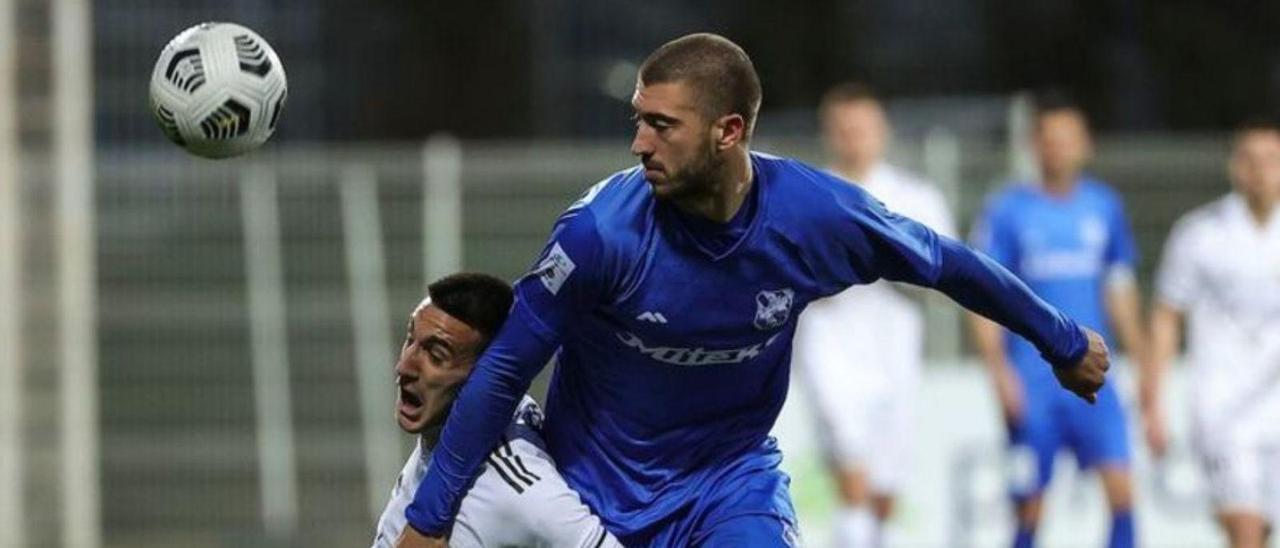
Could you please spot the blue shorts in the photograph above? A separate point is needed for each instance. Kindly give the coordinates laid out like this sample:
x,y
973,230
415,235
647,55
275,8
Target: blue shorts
x,y
753,509
1054,418
765,530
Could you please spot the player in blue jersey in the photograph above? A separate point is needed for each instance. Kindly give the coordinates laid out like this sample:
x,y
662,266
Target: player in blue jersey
x,y
667,298
1067,237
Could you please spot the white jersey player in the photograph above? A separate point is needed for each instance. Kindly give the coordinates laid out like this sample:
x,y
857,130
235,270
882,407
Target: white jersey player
x,y
859,352
1221,272
518,498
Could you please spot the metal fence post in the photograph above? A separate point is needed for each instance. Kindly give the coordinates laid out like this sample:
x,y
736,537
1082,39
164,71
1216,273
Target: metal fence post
x,y
278,478
11,302
77,307
442,206
362,236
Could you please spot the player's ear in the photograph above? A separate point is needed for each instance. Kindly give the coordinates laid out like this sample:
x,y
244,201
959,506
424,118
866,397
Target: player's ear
x,y
729,130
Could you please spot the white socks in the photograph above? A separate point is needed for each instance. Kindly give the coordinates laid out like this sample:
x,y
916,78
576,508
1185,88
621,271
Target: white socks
x,y
856,527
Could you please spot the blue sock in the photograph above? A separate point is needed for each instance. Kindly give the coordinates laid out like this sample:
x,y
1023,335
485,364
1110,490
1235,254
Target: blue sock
x,y
1121,530
1025,537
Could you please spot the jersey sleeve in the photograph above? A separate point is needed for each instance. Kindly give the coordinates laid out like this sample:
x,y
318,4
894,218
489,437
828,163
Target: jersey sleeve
x,y
570,275
900,249
1176,283
993,234
884,244
1121,253
562,283
546,507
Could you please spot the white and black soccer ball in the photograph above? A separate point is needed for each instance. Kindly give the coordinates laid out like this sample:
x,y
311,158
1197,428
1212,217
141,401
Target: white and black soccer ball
x,y
218,89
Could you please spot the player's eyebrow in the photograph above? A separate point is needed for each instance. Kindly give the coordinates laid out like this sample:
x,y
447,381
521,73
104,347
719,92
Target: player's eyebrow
x,y
436,341
651,117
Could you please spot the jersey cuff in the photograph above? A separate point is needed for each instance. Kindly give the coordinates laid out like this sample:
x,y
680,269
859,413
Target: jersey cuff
x,y
1120,275
1078,347
411,515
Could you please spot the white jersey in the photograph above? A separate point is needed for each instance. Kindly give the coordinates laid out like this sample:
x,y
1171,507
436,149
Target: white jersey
x,y
1223,272
859,352
912,197
518,498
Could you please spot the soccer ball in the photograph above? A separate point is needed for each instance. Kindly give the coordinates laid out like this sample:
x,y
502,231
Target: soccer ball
x,y
217,90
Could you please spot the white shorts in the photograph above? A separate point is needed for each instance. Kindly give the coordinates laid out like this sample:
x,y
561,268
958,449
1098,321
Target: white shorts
x,y
862,373
1243,477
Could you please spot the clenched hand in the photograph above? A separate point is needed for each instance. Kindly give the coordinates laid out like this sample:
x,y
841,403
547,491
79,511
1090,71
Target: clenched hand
x,y
1087,377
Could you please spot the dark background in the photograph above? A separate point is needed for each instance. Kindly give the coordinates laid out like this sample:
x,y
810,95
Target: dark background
x,y
392,70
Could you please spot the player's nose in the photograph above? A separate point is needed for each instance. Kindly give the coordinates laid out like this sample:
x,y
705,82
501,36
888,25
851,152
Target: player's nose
x,y
404,369
641,145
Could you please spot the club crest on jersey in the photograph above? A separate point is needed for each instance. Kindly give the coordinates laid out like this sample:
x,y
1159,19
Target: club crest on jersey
x,y
1093,232
773,308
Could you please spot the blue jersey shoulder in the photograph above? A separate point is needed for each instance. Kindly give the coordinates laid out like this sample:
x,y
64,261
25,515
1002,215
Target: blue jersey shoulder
x,y
1100,193
806,193
616,215
621,205
614,192
1009,198
840,232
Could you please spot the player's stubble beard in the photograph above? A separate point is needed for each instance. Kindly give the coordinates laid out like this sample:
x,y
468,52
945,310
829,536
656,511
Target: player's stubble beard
x,y
698,181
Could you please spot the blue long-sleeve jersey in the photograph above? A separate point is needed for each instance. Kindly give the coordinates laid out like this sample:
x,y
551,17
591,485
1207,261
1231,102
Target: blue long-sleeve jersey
x,y
672,339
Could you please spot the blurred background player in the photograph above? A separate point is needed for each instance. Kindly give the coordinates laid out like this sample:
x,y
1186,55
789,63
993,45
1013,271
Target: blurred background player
x,y
860,352
1221,272
519,499
1067,237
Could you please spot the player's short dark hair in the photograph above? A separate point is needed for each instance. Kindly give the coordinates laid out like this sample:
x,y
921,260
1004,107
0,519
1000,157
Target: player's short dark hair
x,y
1255,124
722,77
847,92
479,300
1057,102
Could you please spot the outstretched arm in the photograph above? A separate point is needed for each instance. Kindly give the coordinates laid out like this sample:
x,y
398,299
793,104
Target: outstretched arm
x,y
1079,356
565,282
897,248
476,422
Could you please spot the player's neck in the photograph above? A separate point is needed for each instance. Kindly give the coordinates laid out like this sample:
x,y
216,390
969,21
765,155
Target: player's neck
x,y
728,191
1261,208
1059,184
855,171
430,437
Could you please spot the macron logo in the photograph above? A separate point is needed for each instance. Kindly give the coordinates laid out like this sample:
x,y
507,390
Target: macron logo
x,y
652,317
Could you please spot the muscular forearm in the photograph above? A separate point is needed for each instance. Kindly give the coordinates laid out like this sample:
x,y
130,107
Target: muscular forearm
x,y
983,286
482,411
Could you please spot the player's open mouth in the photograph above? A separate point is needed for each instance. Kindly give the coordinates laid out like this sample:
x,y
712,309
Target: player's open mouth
x,y
410,403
